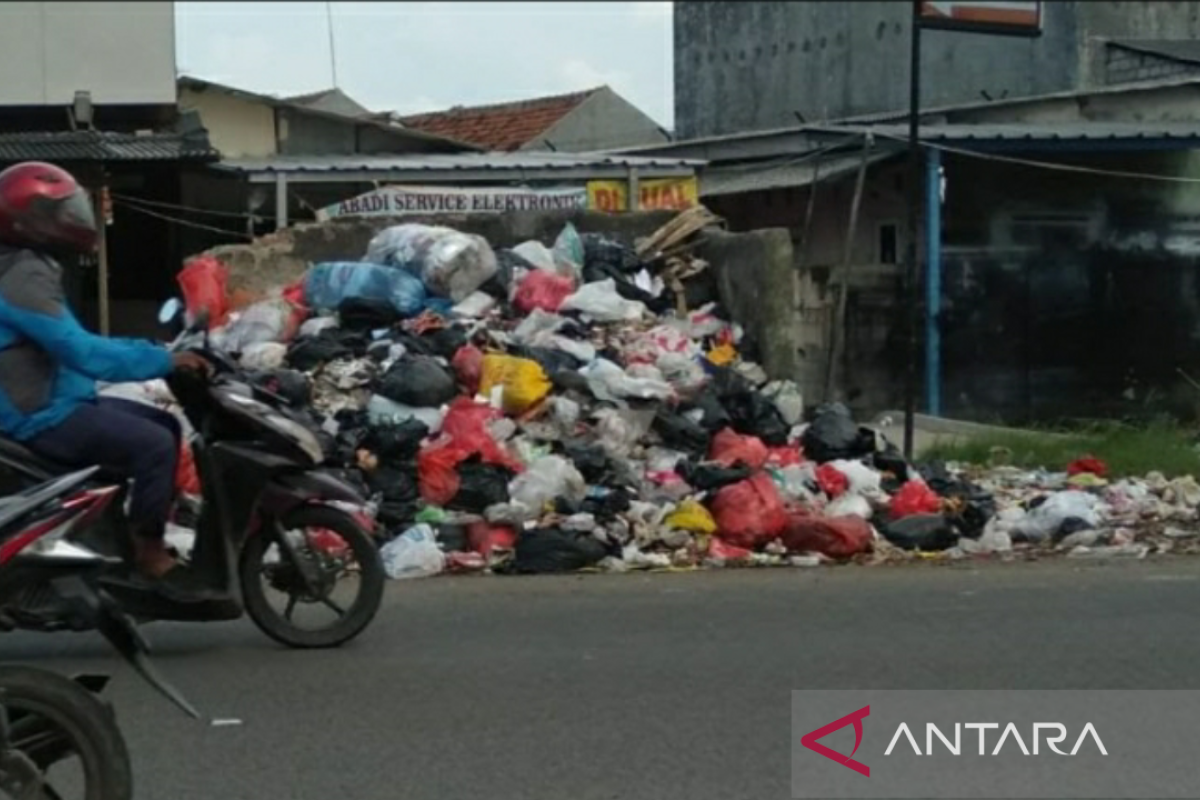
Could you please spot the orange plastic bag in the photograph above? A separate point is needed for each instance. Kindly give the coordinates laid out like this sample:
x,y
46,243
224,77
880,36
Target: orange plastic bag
x,y
913,498
751,513
437,471
730,447
204,282
187,480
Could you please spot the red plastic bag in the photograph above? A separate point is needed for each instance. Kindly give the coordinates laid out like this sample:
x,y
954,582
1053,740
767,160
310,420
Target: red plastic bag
x,y
468,367
785,456
437,471
204,282
729,447
914,497
723,551
465,425
836,537
831,481
187,481
485,538
751,513
1088,464
541,289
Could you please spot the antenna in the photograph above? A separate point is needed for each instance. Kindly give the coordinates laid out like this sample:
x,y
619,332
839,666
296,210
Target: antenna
x,y
332,50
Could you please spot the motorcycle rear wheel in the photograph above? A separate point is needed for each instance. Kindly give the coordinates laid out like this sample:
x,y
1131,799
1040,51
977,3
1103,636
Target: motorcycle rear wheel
x,y
86,724
357,617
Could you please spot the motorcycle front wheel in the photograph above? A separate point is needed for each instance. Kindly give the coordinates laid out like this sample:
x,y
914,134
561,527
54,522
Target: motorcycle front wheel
x,y
336,548
50,720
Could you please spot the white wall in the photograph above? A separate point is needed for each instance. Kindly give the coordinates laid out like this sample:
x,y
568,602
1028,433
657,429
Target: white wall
x,y
235,126
123,53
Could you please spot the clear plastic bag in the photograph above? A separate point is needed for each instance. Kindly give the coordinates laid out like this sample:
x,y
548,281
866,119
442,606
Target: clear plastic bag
x,y
265,321
603,303
413,554
450,263
545,480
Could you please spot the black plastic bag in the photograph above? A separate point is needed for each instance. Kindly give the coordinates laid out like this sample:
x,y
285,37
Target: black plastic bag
x,y
418,381
591,460
480,486
680,433
444,342
600,252
553,550
396,443
293,386
834,435
754,415
927,532
401,497
363,314
715,418
551,360
709,477
977,506
453,538
311,352
507,262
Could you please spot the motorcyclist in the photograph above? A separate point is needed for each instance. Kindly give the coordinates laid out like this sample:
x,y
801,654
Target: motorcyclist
x,y
49,365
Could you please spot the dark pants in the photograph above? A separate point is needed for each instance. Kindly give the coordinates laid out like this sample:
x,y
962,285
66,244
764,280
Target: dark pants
x,y
132,439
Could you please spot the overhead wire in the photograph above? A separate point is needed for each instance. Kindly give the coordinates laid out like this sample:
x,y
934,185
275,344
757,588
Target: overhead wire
x,y
182,222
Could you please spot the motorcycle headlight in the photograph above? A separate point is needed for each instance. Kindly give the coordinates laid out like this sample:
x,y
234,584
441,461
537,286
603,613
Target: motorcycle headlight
x,y
301,435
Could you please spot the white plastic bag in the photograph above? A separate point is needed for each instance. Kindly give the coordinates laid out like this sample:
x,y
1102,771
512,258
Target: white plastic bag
x,y
602,302
314,326
537,254
264,321
450,263
413,554
546,479
477,305
1043,521
788,399
609,382
264,355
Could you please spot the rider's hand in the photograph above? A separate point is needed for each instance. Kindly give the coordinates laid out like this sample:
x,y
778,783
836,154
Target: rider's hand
x,y
191,361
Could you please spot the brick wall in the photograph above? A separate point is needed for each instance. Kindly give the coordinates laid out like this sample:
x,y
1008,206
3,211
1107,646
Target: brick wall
x,y
1129,66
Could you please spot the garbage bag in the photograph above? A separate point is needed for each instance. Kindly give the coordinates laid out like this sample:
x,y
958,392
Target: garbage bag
x,y
399,442
748,410
450,263
730,448
499,285
707,477
610,383
264,321
327,285
524,381
604,253
680,433
708,403
367,313
834,435
836,537
544,480
383,411
291,385
832,481
418,381
310,353
693,517
413,554
480,485
466,424
592,461
442,342
925,532
915,497
751,513
317,326
542,290
601,302
788,400
485,537
437,471
1047,519
468,368
554,550
264,355
551,360
204,283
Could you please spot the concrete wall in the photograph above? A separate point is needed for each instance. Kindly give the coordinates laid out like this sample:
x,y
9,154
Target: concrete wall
x,y
604,121
750,267
752,65
1129,66
123,53
303,134
236,127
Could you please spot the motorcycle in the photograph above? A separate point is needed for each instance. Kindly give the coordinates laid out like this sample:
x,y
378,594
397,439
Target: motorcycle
x,y
270,516
46,718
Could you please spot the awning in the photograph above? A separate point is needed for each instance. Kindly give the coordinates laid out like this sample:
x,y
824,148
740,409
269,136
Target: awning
x,y
781,173
104,146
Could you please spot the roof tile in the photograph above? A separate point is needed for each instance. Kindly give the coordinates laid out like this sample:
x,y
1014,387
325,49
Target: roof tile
x,y
503,127
103,146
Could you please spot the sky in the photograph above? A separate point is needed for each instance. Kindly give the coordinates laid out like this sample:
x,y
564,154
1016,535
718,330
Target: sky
x,y
414,57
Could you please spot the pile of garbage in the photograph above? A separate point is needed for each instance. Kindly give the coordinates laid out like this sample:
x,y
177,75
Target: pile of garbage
x,y
587,405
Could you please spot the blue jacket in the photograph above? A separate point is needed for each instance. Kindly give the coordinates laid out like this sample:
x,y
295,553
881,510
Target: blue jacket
x,y
49,363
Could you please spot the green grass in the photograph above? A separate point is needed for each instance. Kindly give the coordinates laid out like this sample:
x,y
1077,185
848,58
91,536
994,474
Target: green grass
x,y
1128,451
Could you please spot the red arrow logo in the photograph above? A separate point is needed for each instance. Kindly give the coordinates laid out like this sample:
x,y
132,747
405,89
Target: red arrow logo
x,y
809,740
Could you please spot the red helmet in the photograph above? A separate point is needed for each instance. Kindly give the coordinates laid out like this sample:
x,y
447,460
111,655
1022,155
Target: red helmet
x,y
42,205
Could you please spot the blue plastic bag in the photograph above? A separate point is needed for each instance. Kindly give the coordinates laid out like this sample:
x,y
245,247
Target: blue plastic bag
x,y
327,285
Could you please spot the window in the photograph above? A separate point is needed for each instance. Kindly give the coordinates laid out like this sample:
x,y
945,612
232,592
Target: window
x,y
887,244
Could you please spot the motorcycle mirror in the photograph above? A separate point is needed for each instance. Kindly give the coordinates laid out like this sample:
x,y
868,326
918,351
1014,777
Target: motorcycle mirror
x,y
169,311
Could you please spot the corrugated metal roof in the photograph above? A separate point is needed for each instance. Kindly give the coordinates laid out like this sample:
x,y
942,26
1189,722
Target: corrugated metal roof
x,y
1010,132
781,174
458,166
104,146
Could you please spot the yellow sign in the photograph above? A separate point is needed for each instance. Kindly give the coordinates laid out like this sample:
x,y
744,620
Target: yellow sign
x,y
675,194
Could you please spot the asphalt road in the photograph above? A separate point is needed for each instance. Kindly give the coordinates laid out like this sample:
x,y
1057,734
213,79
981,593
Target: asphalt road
x,y
625,686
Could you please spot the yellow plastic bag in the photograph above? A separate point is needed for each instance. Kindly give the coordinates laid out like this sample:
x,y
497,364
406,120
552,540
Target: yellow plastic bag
x,y
692,517
723,356
525,382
